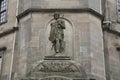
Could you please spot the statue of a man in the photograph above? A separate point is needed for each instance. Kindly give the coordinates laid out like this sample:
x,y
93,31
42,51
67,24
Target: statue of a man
x,y
57,34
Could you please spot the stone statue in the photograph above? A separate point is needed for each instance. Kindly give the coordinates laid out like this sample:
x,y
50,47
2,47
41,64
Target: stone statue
x,y
57,34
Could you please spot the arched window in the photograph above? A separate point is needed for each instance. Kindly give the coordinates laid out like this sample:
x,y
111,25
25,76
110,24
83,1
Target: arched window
x,y
3,7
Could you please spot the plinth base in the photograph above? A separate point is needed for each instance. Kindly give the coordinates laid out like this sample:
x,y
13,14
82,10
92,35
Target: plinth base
x,y
57,58
57,68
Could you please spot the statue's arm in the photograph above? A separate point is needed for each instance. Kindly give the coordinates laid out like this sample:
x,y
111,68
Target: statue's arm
x,y
62,24
51,33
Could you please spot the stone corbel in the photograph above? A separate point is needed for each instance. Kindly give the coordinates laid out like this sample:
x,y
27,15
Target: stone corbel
x,y
107,26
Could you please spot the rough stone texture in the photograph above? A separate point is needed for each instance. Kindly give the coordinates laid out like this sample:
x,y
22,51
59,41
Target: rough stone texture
x,y
112,41
83,36
96,49
66,68
8,41
112,56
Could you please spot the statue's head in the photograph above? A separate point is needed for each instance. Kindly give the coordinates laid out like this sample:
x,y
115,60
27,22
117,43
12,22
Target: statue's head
x,y
56,15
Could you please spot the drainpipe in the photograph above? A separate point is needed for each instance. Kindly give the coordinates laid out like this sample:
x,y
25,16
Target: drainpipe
x,y
14,38
106,23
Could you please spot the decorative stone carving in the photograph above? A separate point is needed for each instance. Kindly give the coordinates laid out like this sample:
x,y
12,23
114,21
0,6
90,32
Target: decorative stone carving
x,y
67,37
56,78
54,66
57,34
64,68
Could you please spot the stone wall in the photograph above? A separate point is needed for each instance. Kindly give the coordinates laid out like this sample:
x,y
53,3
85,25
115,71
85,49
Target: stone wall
x,y
111,41
83,36
83,33
8,40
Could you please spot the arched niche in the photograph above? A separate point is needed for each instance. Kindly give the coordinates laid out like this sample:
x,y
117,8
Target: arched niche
x,y
68,38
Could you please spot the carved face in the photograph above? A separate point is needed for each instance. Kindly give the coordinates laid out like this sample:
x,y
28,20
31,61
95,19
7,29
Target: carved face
x,y
56,16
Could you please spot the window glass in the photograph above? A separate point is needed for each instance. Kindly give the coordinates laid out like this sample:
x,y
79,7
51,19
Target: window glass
x,y
3,7
118,7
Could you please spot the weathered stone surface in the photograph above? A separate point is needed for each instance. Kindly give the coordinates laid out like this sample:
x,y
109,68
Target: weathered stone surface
x,y
57,58
83,35
111,40
66,69
8,41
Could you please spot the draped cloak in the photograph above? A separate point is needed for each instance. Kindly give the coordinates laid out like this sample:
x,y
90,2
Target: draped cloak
x,y
57,34
56,31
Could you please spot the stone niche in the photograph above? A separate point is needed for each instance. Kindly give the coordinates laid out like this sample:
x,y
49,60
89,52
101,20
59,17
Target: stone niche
x,y
68,38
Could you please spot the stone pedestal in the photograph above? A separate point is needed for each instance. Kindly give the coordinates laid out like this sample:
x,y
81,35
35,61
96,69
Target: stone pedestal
x,y
57,58
57,68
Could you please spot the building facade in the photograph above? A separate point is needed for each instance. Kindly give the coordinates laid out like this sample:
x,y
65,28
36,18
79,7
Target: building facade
x,y
91,35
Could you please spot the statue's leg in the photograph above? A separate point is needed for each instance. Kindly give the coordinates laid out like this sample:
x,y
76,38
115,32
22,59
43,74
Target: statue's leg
x,y
57,46
62,46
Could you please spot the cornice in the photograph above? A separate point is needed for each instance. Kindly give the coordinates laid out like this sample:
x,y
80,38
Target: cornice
x,y
84,10
111,31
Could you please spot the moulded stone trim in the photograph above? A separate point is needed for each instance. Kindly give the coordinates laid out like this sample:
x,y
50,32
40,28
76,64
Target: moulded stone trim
x,y
81,10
